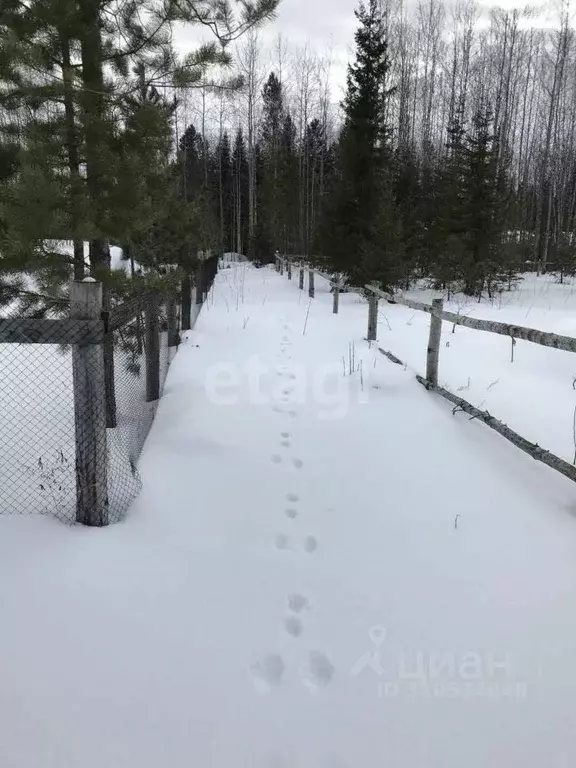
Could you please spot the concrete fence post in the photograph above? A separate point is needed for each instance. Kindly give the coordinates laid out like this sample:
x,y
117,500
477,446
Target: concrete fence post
x,y
152,345
89,382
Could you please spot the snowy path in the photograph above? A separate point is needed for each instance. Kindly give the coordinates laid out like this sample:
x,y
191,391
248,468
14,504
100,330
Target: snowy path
x,y
323,571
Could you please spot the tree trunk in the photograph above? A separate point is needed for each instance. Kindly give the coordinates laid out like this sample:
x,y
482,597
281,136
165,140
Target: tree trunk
x,y
73,159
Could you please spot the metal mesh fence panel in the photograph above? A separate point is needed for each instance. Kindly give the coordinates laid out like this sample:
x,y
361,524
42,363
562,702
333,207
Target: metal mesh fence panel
x,y
37,432
77,400
134,409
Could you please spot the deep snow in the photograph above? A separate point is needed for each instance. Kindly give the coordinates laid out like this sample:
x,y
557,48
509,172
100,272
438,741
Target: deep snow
x,y
323,570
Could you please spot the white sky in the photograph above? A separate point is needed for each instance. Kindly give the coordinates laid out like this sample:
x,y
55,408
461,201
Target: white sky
x,y
327,27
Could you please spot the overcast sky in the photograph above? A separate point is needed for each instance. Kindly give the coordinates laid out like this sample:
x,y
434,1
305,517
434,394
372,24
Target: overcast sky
x,y
325,25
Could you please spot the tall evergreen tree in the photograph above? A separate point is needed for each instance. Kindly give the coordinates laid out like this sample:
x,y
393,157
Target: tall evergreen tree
x,y
225,182
240,194
363,235
65,88
270,213
485,200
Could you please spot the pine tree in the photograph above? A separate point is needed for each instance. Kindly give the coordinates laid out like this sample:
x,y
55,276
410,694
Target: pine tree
x,y
78,169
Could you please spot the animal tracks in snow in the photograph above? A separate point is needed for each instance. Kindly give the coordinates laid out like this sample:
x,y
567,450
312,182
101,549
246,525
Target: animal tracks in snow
x,y
297,602
310,544
319,671
268,672
293,626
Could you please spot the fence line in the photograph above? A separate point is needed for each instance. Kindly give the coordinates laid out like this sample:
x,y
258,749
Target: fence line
x,y
78,396
437,314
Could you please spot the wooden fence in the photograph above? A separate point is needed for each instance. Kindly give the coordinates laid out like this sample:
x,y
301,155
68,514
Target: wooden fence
x,y
438,314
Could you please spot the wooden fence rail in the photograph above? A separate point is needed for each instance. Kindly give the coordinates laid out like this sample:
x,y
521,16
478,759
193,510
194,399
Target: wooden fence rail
x,y
544,339
437,314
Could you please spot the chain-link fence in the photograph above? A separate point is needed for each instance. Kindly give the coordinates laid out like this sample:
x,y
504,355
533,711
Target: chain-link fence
x,y
77,399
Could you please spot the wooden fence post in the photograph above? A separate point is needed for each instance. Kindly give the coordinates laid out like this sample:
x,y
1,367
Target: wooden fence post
x,y
171,321
434,343
281,266
152,350
289,268
310,282
111,419
186,301
89,381
200,282
336,297
372,317
301,278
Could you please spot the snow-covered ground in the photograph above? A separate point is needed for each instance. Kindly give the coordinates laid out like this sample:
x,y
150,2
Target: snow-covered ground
x,y
325,569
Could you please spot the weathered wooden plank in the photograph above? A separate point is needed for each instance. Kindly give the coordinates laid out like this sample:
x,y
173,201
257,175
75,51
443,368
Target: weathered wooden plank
x,y
372,318
39,331
417,305
532,449
544,339
433,352
391,357
326,276
336,296
567,343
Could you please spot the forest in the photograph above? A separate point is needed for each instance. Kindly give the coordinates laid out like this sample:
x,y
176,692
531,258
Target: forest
x,y
447,154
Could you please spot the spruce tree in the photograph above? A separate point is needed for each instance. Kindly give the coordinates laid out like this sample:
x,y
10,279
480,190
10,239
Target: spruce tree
x,y
270,212
240,172
365,235
484,190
